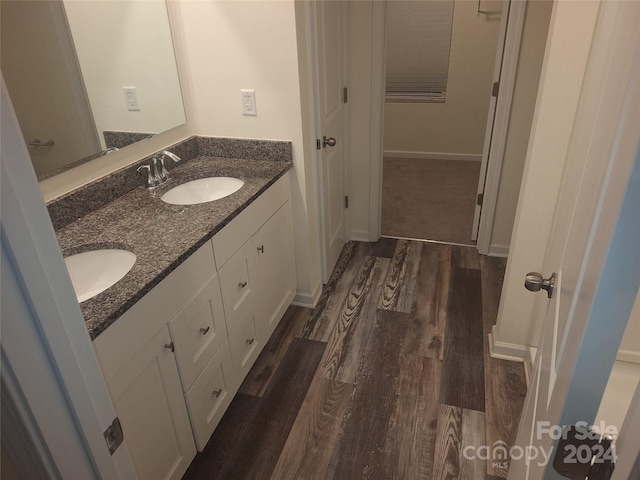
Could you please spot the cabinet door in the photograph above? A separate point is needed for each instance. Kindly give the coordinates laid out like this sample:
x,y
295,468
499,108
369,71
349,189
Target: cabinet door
x,y
276,269
211,394
148,400
198,330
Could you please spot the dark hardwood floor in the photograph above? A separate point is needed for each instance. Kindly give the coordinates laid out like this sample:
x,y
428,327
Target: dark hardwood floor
x,y
389,377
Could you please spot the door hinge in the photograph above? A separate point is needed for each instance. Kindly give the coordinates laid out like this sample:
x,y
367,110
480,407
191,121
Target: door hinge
x,y
318,144
345,95
480,199
346,201
495,89
113,435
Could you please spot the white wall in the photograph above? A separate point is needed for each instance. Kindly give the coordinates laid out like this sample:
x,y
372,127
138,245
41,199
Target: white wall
x,y
458,125
105,34
228,46
534,38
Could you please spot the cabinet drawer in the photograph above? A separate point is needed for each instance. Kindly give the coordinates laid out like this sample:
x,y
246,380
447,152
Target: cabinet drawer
x,y
239,285
197,332
245,344
210,395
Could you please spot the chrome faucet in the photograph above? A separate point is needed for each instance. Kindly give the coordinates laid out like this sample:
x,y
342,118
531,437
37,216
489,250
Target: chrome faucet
x,y
157,174
160,173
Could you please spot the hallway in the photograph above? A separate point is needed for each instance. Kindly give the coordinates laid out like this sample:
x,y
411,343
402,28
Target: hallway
x,y
389,377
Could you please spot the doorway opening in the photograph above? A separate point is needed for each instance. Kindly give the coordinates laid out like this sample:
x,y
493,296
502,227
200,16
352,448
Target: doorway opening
x,y
433,147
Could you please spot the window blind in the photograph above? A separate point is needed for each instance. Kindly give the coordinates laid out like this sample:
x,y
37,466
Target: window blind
x,y
418,42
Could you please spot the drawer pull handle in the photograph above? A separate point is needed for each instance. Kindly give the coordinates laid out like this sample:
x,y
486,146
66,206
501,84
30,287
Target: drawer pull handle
x,y
242,284
170,346
204,330
250,341
216,393
261,248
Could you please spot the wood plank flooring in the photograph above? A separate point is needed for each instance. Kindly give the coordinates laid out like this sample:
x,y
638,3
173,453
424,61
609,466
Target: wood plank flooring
x,y
389,377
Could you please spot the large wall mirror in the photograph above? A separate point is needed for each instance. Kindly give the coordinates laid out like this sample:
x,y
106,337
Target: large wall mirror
x,y
88,77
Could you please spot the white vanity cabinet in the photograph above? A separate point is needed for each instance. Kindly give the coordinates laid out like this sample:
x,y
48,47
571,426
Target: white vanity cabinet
x,y
174,361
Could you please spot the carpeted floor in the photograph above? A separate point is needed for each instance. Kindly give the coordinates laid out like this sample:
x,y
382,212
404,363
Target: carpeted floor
x,y
429,199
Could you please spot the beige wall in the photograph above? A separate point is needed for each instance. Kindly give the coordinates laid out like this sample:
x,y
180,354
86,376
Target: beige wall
x,y
534,37
228,46
458,125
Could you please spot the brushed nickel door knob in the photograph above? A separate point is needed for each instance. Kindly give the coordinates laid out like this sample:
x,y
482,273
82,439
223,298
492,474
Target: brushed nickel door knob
x,y
328,142
534,282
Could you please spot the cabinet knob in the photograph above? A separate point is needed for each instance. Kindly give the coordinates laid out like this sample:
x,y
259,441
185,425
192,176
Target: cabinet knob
x,y
170,346
216,393
204,330
250,341
242,284
261,248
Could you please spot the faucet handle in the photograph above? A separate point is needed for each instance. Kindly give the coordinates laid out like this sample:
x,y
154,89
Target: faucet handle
x,y
150,179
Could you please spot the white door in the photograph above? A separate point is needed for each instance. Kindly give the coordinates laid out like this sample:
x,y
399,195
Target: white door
x,y
593,248
330,45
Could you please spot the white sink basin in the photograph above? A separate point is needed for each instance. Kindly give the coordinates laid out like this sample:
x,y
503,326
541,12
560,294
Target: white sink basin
x,y
94,271
202,190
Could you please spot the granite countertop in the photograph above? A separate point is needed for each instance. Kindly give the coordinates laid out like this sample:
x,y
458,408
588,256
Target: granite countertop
x,y
161,235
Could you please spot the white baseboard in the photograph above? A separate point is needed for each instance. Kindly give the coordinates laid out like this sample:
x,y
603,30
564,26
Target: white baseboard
x,y
628,356
359,236
308,300
473,157
507,351
498,250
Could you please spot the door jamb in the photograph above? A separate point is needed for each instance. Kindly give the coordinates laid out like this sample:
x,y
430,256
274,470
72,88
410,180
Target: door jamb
x,y
498,140
376,125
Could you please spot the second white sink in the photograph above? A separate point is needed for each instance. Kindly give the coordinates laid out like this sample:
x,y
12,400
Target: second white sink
x,y
202,190
94,271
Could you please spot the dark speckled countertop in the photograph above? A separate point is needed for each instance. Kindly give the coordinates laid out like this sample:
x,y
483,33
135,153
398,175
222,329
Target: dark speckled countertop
x,y
161,235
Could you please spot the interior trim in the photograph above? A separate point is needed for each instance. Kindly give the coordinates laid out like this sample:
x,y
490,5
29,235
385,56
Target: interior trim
x,y
308,300
507,351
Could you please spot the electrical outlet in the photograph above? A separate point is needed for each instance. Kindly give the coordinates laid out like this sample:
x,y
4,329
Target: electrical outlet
x,y
131,98
248,102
